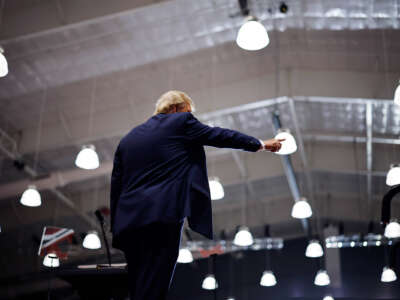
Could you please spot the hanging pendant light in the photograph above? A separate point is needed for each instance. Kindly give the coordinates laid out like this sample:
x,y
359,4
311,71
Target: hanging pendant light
x,y
392,230
209,283
393,176
3,63
252,35
216,189
301,209
268,279
397,95
314,249
289,145
388,275
243,237
185,256
322,278
31,197
92,240
51,260
87,158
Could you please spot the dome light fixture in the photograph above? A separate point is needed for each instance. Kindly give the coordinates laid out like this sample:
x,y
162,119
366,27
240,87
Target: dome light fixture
x,y
185,256
51,260
301,209
210,283
393,176
243,237
87,158
322,278
314,249
3,64
31,197
388,275
216,189
392,230
252,35
268,279
397,95
289,145
92,240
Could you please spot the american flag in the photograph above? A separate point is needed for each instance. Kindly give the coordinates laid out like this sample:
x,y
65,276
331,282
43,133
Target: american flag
x,y
52,237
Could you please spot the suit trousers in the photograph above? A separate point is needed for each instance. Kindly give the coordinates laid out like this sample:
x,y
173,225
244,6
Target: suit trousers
x,y
151,256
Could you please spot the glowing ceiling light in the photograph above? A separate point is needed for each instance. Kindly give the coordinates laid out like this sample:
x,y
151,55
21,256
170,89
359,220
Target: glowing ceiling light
x,y
340,244
252,35
209,283
31,197
352,244
51,260
243,237
92,241
216,189
397,95
365,243
301,209
392,230
393,176
268,279
87,158
328,298
3,64
314,249
289,145
185,256
388,275
322,278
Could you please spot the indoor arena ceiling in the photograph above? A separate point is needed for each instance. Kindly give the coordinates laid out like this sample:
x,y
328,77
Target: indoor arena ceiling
x,y
171,28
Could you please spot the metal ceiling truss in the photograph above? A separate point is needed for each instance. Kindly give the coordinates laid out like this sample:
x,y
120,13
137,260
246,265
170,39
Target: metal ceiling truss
x,y
58,179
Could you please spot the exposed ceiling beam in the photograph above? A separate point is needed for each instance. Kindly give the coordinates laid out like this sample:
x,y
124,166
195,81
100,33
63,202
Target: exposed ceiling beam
x,y
368,145
302,151
349,139
119,120
56,180
52,183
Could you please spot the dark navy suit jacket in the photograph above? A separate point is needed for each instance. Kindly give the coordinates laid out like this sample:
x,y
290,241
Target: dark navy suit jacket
x,y
160,173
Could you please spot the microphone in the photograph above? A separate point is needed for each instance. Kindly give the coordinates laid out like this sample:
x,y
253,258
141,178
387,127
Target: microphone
x,y
100,217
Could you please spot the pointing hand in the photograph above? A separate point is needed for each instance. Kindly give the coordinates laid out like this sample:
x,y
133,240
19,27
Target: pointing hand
x,y
273,145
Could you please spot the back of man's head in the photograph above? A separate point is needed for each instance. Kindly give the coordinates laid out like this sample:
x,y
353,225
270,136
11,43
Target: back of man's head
x,y
172,101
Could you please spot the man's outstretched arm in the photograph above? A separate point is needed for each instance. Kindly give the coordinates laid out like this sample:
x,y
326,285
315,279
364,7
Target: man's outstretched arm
x,y
200,133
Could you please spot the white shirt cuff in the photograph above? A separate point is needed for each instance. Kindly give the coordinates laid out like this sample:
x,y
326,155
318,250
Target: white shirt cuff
x,y
263,146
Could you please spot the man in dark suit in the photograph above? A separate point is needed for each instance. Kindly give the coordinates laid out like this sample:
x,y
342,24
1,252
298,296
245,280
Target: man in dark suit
x,y
159,178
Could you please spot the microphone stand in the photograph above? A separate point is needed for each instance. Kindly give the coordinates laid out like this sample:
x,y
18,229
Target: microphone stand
x,y
101,220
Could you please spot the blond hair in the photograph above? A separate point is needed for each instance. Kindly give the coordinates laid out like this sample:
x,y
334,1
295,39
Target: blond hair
x,y
170,99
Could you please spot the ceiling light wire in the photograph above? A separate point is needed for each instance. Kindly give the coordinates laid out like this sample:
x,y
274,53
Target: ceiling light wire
x,y
92,107
358,174
39,130
2,5
385,62
386,71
